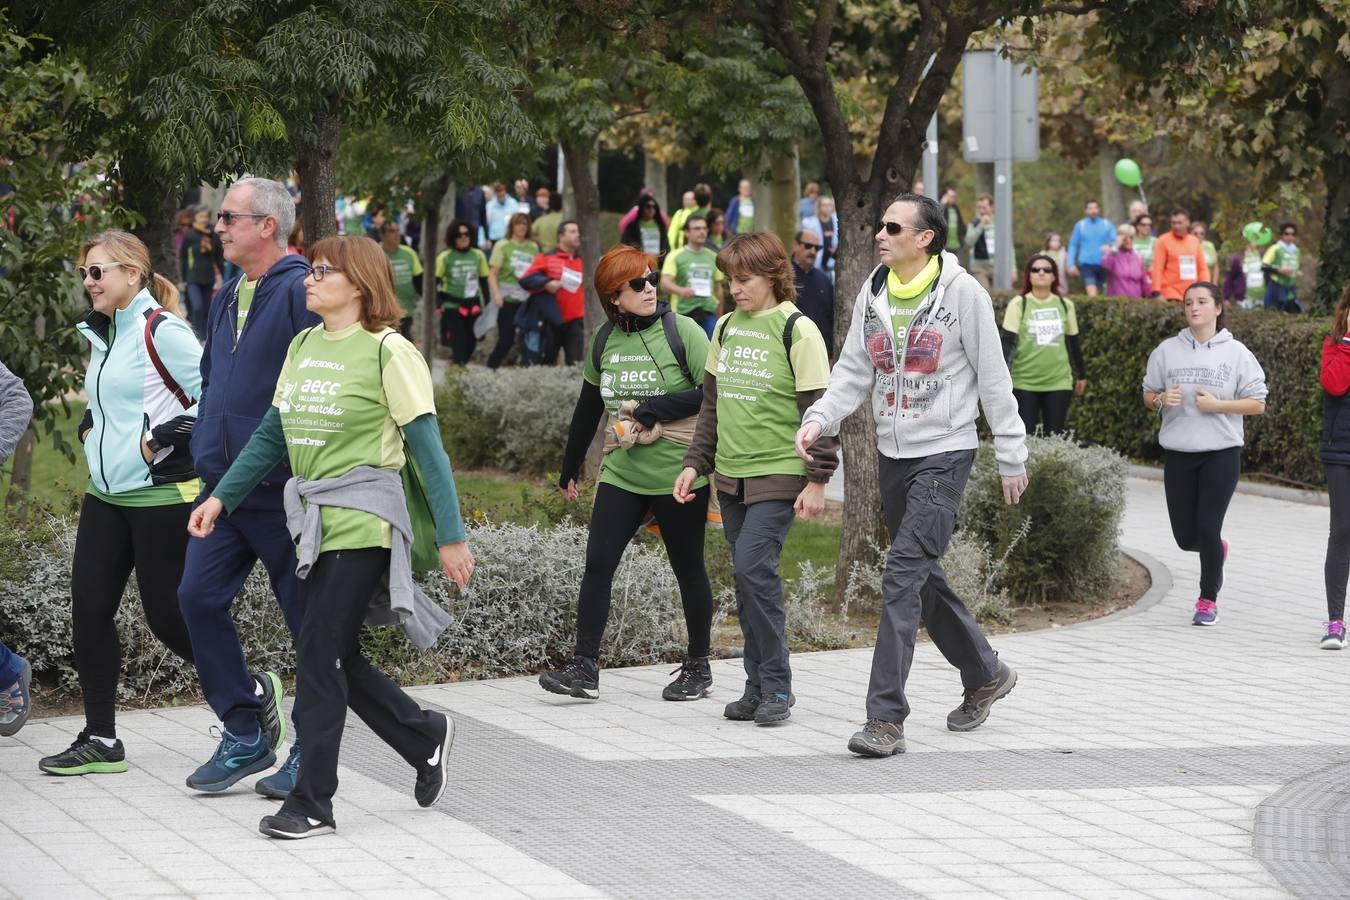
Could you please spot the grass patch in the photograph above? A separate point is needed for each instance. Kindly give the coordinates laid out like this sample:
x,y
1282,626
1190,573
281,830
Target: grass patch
x,y
57,482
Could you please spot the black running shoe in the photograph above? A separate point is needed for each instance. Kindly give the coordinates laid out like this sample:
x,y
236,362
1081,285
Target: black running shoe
x,y
579,678
86,756
432,778
293,826
878,738
693,683
272,715
774,708
743,710
974,709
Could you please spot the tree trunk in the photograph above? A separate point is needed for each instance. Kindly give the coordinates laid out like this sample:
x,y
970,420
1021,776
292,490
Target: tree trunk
x,y
21,478
1114,205
425,326
654,176
779,197
862,532
580,154
1333,259
316,157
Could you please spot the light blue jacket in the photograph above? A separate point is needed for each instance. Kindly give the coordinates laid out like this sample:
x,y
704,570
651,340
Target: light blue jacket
x,y
1085,244
126,395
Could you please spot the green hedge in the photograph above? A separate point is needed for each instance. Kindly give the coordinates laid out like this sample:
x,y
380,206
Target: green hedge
x,y
1119,334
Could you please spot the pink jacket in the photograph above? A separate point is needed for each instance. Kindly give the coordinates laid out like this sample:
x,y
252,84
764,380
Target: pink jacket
x,y
1125,274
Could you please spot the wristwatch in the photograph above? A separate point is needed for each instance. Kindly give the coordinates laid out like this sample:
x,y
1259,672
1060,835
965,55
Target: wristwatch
x,y
150,442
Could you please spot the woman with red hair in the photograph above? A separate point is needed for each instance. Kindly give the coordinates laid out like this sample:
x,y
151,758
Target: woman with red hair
x,y
643,372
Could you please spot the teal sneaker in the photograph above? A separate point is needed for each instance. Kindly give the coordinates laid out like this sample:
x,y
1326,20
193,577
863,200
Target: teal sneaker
x,y
280,783
234,759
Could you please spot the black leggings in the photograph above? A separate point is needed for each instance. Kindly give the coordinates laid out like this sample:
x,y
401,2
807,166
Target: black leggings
x,y
1199,487
506,333
1337,567
1052,405
110,542
614,521
457,331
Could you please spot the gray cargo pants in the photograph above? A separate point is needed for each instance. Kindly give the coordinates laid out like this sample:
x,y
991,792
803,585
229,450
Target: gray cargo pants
x,y
756,533
920,498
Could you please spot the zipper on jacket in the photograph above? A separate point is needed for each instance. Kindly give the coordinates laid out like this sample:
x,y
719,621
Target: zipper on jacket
x,y
98,398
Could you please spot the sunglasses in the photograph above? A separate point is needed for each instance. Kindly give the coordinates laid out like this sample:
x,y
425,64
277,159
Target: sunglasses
x,y
638,285
1288,233
96,270
318,272
462,234
812,247
229,218
894,228
1041,270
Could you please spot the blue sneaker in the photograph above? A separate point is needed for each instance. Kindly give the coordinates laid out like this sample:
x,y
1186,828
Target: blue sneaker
x,y
15,703
280,783
234,759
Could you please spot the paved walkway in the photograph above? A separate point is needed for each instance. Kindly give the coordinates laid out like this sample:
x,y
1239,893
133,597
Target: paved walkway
x,y
1138,757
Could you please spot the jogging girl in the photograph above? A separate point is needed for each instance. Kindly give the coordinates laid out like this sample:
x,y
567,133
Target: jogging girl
x,y
766,364
1040,346
1336,465
1203,381
143,382
346,391
645,382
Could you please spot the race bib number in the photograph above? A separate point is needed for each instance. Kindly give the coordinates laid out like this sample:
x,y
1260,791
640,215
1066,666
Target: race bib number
x,y
571,279
470,285
1255,277
519,263
702,285
651,243
1188,268
1046,330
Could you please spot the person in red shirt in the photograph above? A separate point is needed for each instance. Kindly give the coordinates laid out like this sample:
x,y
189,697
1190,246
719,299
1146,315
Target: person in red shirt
x,y
1335,453
1178,259
555,314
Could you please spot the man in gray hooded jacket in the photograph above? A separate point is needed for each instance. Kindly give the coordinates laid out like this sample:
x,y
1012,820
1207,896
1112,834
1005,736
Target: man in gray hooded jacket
x,y
923,343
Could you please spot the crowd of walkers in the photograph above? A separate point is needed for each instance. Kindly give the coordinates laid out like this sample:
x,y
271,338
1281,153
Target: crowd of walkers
x,y
288,419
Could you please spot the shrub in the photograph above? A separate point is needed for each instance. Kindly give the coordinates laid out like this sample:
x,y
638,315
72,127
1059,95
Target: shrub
x,y
1119,334
513,419
1074,500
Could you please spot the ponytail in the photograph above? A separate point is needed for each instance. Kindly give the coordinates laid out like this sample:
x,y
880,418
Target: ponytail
x,y
165,293
1339,323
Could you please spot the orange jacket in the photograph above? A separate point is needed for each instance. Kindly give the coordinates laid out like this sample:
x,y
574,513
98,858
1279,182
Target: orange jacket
x,y
1169,254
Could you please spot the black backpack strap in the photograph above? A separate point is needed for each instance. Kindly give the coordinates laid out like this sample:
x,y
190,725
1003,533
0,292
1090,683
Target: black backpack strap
x,y
787,339
672,329
598,347
722,330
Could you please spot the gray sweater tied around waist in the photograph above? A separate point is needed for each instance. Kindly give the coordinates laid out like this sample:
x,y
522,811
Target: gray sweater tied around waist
x,y
398,601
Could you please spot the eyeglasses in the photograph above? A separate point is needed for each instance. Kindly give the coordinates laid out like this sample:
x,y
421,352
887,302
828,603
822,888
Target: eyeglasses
x,y
462,234
1041,270
318,272
638,285
96,270
894,228
1288,233
229,217
805,246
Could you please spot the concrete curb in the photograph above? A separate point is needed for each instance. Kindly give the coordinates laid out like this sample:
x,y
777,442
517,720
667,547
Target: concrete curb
x,y
1256,489
1161,585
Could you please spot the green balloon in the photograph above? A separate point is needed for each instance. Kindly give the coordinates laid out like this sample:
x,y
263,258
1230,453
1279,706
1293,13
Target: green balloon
x,y
1257,234
1128,174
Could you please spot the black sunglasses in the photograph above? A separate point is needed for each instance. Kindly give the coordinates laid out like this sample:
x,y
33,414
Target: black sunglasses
x,y
229,217
1041,270
894,228
638,285
460,234
812,247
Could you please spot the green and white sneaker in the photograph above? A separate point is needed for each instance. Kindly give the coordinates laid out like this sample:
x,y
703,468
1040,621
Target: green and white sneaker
x,y
86,756
272,715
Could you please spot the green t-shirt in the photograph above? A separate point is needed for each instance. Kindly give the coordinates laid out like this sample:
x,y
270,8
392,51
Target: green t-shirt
x,y
1252,273
697,270
1281,257
1041,362
545,230
245,297
953,229
1144,247
457,274
651,237
757,417
511,259
406,267
152,495
745,216
338,412
1211,256
640,366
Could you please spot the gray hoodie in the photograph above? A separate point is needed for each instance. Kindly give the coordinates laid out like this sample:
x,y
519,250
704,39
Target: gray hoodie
x,y
952,363
1222,366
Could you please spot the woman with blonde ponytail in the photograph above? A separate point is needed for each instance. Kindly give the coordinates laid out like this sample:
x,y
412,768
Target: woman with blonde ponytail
x,y
143,383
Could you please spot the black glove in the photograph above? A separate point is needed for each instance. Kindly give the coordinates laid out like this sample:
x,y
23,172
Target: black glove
x,y
175,467
175,432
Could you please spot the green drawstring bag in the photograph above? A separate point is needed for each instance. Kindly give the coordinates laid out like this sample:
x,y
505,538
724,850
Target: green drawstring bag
x,y
425,557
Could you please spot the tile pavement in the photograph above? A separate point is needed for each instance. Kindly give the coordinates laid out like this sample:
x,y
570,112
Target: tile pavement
x,y
1138,757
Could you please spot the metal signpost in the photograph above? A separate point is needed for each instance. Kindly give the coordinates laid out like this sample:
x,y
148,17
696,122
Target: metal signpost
x,y
1000,124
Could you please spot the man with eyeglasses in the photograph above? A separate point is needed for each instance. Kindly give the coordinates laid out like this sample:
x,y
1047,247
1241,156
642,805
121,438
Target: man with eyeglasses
x,y
1283,261
924,345
815,292
249,330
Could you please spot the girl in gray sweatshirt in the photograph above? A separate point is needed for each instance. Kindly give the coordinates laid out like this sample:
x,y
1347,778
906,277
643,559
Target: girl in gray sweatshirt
x,y
1203,381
